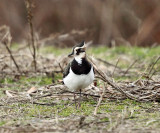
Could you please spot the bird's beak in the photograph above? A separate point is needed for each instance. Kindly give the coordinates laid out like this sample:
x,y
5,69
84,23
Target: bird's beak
x,y
83,49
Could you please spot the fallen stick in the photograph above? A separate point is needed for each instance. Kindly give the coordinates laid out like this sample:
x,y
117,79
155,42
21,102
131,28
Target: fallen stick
x,y
107,80
99,102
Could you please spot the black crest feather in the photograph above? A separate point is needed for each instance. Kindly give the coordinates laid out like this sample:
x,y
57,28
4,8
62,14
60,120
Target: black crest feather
x,y
79,45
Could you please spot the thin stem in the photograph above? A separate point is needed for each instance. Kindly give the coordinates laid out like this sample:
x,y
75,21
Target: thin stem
x,y
29,4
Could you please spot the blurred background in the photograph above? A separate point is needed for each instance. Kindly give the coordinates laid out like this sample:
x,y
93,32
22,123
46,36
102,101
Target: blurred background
x,y
104,22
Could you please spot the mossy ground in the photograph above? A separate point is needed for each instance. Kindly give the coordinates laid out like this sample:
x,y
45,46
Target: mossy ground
x,y
143,115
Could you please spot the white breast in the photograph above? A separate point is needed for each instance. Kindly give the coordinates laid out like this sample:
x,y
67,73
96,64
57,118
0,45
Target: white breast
x,y
76,82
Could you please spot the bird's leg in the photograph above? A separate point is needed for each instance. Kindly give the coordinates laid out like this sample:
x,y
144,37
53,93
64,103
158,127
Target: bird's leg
x,y
80,98
75,100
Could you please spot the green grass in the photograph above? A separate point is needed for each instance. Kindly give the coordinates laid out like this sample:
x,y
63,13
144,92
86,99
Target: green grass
x,y
127,109
126,54
2,123
137,52
55,50
25,83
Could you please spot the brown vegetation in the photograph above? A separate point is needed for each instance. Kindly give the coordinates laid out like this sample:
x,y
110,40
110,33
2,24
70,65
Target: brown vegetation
x,y
110,22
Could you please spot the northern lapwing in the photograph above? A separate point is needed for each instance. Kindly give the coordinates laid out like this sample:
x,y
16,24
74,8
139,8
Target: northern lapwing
x,y
79,72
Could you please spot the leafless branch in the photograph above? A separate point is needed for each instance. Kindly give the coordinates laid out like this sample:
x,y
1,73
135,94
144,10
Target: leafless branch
x,y
107,63
154,65
107,80
10,52
130,67
29,7
115,67
99,102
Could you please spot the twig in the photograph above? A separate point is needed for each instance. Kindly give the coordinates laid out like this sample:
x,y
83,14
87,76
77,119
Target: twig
x,y
59,64
107,63
115,67
130,67
154,65
45,104
29,5
153,74
10,52
141,76
85,94
99,102
106,79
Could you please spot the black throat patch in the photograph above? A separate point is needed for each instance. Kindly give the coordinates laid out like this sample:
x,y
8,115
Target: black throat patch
x,y
83,68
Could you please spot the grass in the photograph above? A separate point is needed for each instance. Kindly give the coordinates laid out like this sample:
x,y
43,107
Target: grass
x,y
141,114
126,54
136,52
128,109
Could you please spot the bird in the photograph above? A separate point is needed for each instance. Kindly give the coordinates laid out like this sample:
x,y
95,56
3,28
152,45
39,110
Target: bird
x,y
79,73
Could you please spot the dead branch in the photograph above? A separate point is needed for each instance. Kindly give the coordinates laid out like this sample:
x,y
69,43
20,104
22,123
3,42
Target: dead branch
x,y
99,102
10,52
106,79
153,66
107,63
29,6
130,67
115,67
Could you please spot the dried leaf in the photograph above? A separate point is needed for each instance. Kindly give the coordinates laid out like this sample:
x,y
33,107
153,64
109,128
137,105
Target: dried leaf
x,y
8,93
32,90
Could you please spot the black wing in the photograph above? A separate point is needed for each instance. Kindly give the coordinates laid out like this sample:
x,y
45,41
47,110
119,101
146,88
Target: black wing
x,y
94,70
66,70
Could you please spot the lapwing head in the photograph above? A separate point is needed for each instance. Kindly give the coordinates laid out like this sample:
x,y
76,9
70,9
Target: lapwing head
x,y
79,50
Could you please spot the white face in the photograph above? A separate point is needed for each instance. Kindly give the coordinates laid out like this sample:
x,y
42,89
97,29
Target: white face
x,y
79,52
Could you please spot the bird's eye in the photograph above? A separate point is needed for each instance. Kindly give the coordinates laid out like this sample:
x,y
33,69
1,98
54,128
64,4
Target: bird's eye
x,y
78,50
